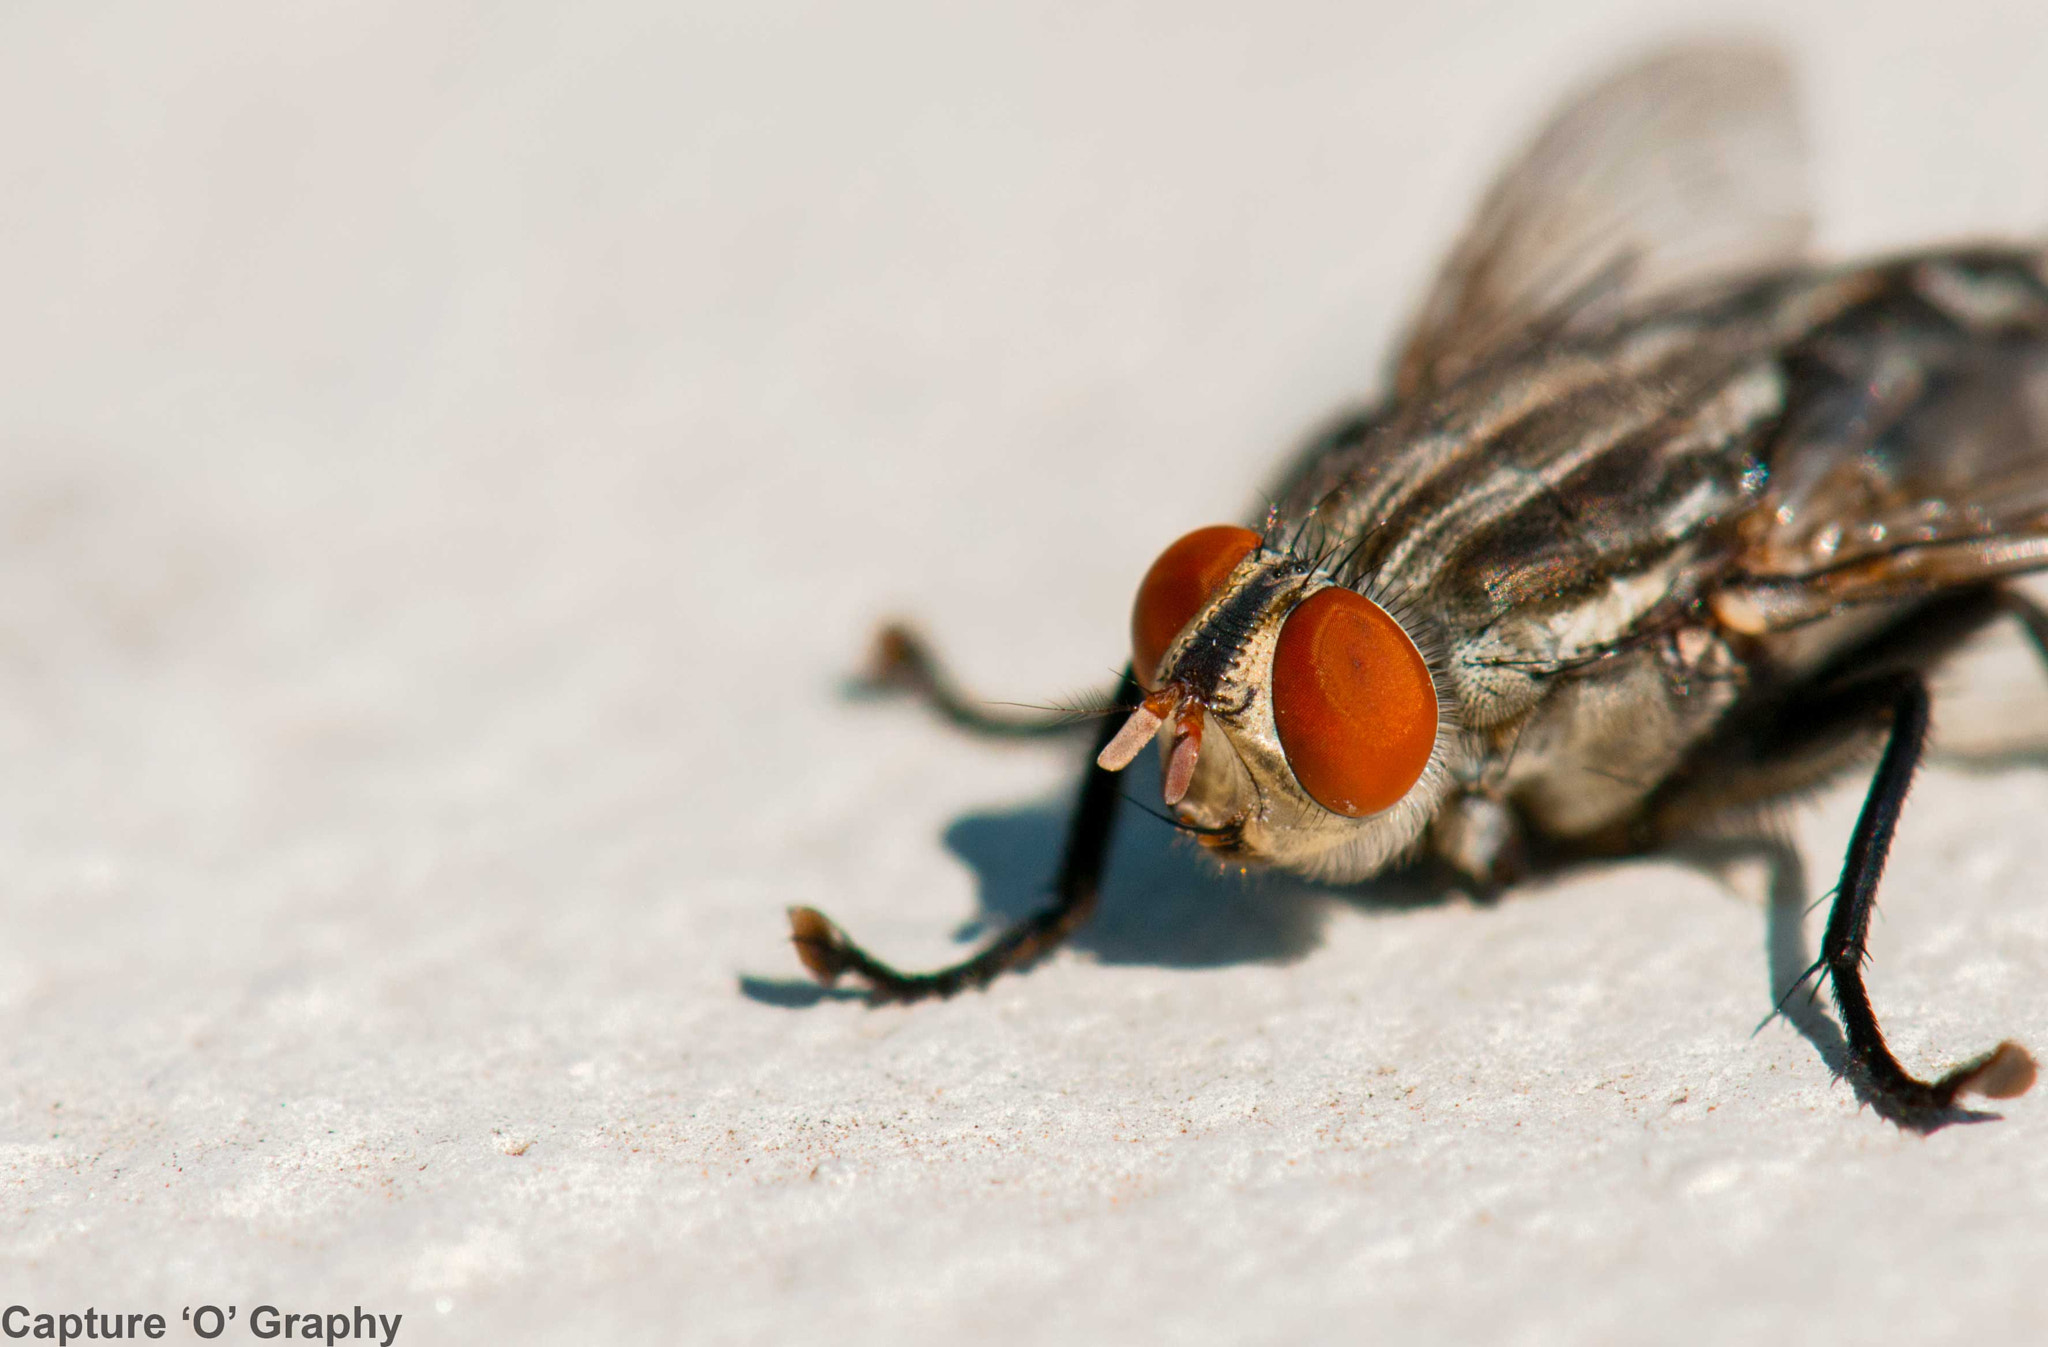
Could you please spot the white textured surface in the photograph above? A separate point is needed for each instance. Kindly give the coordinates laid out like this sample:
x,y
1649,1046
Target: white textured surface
x,y
448,459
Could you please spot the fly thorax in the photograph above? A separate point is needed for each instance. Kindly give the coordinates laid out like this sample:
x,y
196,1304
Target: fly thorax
x,y
1513,659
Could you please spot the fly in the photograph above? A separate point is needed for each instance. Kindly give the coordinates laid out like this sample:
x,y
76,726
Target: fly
x,y
1659,521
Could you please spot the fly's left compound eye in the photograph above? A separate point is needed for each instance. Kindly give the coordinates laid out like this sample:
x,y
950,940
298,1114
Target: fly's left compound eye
x,y
1353,702
1186,576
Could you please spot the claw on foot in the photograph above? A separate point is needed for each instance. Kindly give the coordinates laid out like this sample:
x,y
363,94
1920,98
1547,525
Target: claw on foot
x,y
818,943
2004,1072
896,658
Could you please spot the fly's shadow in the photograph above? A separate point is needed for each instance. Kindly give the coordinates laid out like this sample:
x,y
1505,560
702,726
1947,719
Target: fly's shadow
x,y
1164,902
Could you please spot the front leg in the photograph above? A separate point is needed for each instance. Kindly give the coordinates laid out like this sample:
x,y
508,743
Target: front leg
x,y
829,953
902,661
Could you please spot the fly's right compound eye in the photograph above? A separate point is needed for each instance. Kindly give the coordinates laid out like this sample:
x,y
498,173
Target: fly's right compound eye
x,y
1184,579
1353,702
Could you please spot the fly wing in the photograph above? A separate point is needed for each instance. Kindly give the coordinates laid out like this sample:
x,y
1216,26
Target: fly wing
x,y
1683,168
1914,452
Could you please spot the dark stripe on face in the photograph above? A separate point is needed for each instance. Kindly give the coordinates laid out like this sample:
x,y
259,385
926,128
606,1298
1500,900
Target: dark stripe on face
x,y
1219,640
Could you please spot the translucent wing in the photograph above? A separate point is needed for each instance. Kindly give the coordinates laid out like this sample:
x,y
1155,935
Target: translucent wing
x,y
1914,455
1683,168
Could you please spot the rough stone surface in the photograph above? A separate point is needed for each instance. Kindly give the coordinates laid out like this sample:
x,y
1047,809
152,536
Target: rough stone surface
x,y
450,458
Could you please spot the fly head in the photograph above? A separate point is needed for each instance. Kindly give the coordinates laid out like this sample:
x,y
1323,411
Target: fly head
x,y
1299,721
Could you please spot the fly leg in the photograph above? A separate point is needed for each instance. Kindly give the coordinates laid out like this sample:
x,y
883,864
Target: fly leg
x,y
2030,616
829,954
2007,1069
1872,694
902,660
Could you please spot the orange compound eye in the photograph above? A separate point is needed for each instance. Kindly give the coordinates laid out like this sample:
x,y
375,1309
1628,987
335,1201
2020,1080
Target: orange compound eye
x,y
1353,702
1186,576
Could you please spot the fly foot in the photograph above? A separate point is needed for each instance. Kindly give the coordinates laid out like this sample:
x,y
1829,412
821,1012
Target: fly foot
x,y
821,945
2005,1072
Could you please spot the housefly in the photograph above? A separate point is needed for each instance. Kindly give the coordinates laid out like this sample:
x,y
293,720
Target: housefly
x,y
1660,521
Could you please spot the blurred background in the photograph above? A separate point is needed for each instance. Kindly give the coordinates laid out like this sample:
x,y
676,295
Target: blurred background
x,y
451,457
